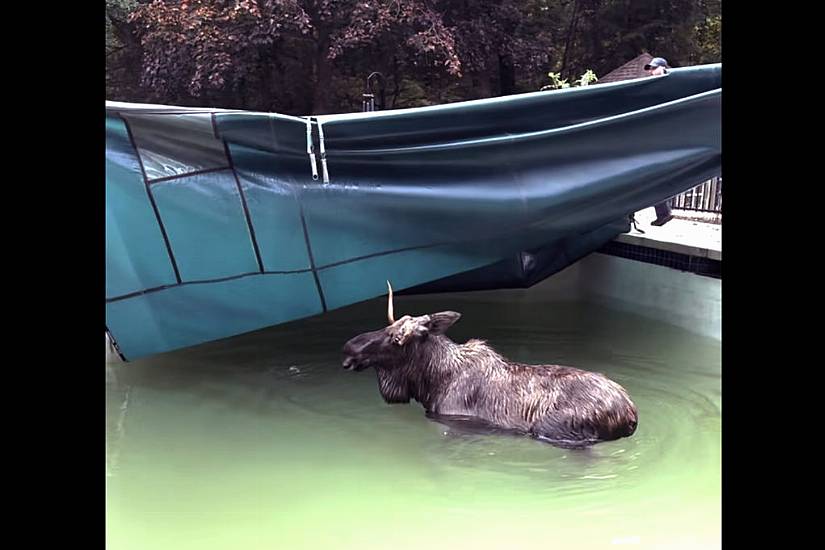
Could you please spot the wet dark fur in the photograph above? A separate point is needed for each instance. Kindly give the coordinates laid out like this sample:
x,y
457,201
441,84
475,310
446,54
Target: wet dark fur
x,y
561,405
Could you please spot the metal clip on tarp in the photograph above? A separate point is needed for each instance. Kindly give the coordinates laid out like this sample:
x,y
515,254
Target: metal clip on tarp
x,y
323,152
311,150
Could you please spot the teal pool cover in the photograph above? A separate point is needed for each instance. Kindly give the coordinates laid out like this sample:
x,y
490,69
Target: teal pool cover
x,y
220,222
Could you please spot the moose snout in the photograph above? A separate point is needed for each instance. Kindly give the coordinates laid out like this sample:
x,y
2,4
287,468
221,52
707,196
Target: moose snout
x,y
354,363
350,352
355,352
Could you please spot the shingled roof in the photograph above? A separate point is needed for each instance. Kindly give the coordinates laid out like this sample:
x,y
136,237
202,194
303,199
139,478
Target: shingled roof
x,y
631,69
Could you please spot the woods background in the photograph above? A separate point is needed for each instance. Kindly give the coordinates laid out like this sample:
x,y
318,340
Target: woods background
x,y
304,57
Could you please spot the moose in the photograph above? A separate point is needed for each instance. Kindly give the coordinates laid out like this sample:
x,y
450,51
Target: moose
x,y
563,406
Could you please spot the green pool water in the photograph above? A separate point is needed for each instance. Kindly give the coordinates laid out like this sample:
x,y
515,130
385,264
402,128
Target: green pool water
x,y
263,441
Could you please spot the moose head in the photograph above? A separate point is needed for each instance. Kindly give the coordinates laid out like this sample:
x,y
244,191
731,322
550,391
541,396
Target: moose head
x,y
392,345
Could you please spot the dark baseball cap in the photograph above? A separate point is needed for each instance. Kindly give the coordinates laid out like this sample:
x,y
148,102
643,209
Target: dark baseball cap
x,y
656,62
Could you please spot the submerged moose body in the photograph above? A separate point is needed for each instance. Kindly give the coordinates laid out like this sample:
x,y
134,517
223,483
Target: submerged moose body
x,y
563,406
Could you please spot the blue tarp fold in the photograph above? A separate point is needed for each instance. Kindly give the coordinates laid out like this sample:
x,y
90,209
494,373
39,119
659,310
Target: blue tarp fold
x,y
216,226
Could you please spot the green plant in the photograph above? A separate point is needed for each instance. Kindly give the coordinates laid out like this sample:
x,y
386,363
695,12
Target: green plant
x,y
588,77
556,82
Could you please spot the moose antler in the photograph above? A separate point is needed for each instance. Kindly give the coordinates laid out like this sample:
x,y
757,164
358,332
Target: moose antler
x,y
389,305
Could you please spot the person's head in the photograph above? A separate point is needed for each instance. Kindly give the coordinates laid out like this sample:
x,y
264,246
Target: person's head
x,y
657,66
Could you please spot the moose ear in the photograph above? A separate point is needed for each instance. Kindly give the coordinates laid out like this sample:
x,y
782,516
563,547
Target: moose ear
x,y
441,321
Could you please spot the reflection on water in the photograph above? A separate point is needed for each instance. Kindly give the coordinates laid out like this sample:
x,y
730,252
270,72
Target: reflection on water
x,y
264,441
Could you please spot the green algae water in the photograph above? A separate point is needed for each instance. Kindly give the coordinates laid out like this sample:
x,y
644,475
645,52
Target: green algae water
x,y
263,441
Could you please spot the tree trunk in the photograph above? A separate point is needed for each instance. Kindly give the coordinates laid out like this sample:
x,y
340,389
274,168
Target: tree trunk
x,y
506,75
571,32
323,79
396,82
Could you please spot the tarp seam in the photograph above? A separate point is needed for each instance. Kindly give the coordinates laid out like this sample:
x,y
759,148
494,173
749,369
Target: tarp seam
x,y
152,199
245,207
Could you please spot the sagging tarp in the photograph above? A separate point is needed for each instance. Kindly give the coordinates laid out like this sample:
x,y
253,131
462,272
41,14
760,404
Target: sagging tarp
x,y
216,224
